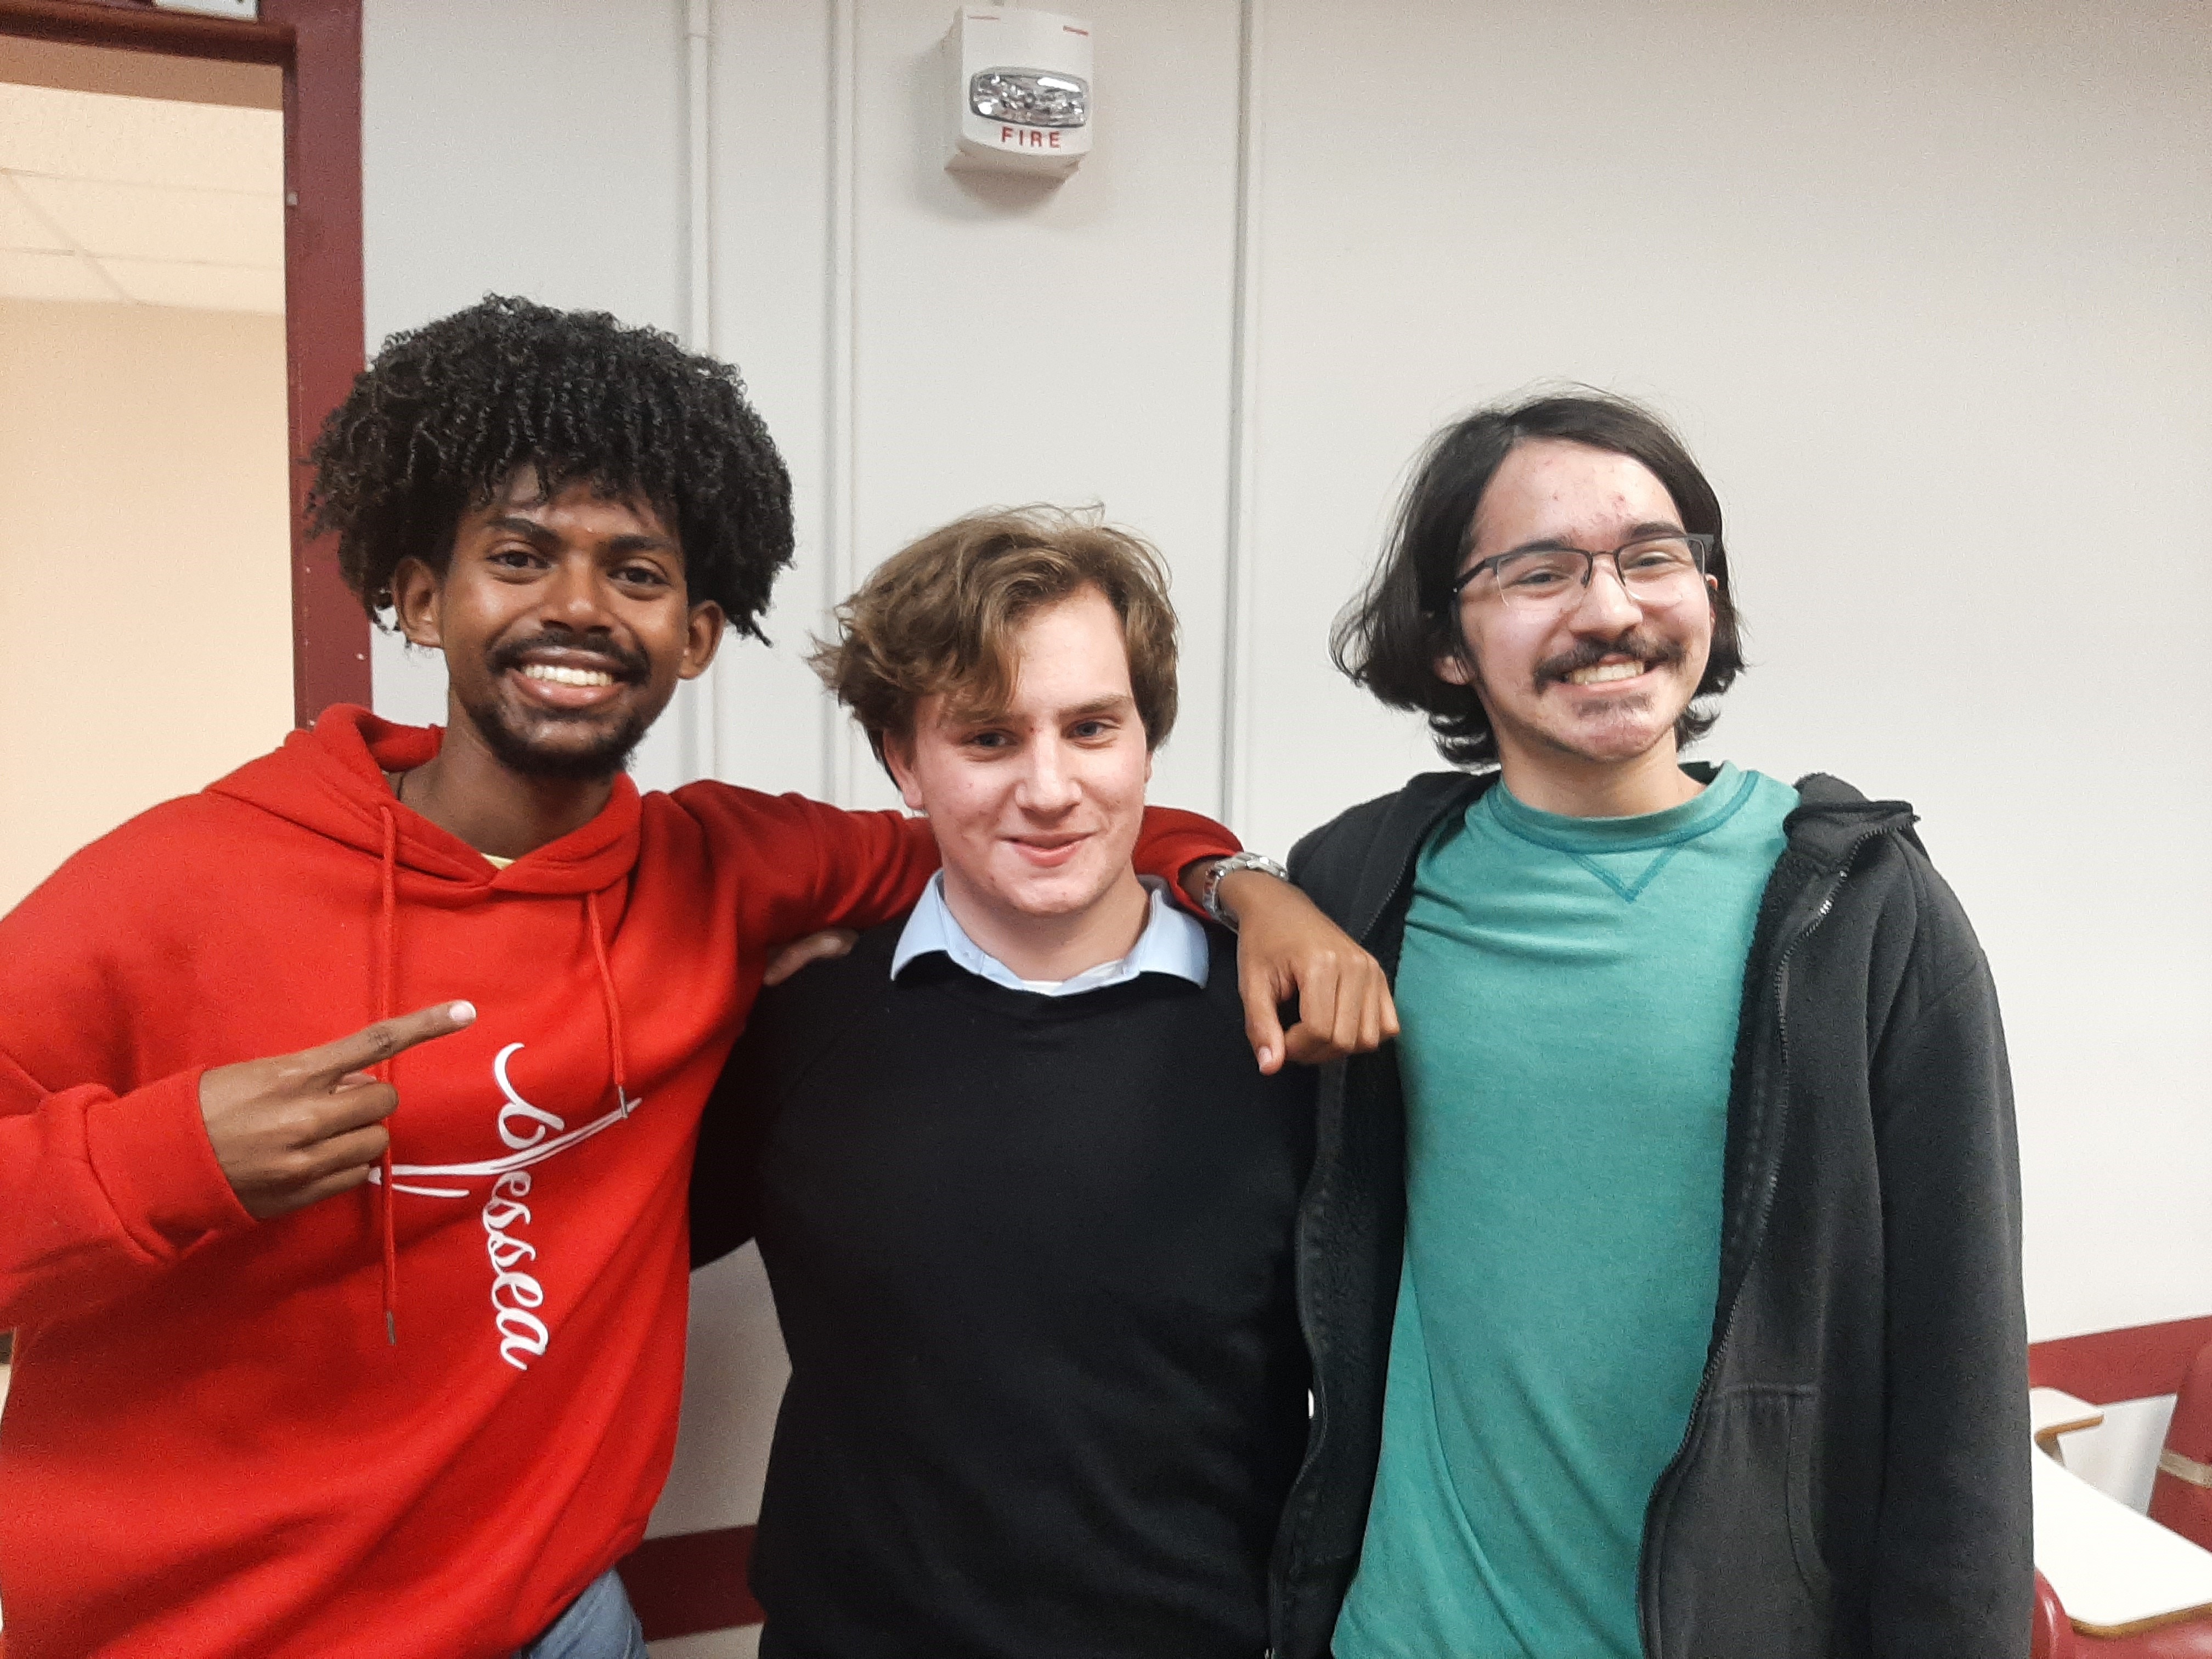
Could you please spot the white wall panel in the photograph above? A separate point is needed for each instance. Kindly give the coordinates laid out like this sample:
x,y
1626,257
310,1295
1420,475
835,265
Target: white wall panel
x,y
771,281
1021,341
1925,288
529,147
1007,343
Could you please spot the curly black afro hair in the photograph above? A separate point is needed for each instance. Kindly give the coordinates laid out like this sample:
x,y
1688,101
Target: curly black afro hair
x,y
447,411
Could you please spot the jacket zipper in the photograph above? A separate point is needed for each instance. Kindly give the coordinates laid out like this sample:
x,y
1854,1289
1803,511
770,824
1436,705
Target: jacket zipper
x,y
1769,1186
1278,1563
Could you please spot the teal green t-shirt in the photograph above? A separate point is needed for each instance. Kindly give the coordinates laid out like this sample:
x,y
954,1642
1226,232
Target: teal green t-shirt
x,y
1569,990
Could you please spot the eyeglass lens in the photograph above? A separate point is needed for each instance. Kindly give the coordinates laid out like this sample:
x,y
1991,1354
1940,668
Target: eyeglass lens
x,y
1655,572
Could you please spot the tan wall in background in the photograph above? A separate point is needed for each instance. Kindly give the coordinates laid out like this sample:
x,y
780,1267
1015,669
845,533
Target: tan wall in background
x,y
144,565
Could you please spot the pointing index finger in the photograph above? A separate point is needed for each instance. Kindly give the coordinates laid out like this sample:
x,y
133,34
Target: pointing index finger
x,y
375,1044
1263,1025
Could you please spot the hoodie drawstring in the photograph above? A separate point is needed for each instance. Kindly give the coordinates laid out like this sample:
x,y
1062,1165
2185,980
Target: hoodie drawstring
x,y
613,1005
387,969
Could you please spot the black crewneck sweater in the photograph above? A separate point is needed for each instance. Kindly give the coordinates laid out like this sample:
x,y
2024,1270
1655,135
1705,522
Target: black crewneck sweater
x,y
1032,1259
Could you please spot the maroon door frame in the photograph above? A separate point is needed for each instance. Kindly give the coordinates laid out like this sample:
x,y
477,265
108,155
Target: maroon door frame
x,y
317,43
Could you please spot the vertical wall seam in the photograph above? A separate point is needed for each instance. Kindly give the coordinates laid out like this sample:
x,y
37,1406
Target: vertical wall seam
x,y
700,730
841,458
698,44
1241,595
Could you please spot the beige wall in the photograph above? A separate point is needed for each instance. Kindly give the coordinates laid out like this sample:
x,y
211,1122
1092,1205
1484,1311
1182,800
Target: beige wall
x,y
144,564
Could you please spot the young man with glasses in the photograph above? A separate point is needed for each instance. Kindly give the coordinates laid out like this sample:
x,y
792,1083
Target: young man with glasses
x,y
1667,1271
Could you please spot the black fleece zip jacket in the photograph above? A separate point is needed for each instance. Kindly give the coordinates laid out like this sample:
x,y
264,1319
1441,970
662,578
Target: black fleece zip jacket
x,y
1854,1479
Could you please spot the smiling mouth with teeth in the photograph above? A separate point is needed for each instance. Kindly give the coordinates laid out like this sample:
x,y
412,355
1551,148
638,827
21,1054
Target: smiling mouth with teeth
x,y
560,675
1601,672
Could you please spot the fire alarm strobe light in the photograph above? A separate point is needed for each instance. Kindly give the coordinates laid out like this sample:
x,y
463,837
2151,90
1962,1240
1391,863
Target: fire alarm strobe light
x,y
1021,83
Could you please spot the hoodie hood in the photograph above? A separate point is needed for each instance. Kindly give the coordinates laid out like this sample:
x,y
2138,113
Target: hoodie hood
x,y
329,780
1833,820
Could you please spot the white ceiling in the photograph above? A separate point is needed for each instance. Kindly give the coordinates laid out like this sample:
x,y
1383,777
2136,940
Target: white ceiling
x,y
140,201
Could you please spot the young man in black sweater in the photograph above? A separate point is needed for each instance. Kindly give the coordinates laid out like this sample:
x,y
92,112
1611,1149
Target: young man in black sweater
x,y
1025,1204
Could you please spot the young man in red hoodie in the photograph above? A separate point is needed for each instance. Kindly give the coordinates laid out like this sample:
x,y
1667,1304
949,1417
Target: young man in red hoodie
x,y
375,1347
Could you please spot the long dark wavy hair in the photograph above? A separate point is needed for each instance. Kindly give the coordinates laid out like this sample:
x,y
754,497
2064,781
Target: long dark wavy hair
x,y
447,412
1390,637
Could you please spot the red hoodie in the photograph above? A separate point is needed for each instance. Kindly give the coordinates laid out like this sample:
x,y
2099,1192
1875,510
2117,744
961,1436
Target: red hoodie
x,y
211,1448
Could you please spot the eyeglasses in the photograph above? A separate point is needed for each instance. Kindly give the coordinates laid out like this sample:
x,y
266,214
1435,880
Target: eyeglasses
x,y
1654,571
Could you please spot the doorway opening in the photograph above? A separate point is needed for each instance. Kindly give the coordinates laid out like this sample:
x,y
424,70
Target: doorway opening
x,y
180,308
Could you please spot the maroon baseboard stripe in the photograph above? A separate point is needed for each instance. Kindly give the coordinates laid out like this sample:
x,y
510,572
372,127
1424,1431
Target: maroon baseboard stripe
x,y
2104,1367
690,1583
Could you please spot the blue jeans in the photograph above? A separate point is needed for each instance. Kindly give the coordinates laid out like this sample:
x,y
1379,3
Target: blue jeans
x,y
599,1625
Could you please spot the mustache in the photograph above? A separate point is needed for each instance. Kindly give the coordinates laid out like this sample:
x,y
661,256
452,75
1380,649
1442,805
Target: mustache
x,y
627,662
1647,648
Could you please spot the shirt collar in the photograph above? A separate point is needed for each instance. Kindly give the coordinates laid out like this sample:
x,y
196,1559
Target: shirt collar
x,y
1173,942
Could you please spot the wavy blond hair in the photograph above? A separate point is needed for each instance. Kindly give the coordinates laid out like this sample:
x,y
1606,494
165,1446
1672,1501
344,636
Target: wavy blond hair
x,y
940,615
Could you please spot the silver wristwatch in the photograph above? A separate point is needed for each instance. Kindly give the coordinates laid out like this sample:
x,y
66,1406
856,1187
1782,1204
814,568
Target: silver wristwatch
x,y
1210,898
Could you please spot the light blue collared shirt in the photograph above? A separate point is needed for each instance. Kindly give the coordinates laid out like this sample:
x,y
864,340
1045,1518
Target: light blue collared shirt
x,y
1173,942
